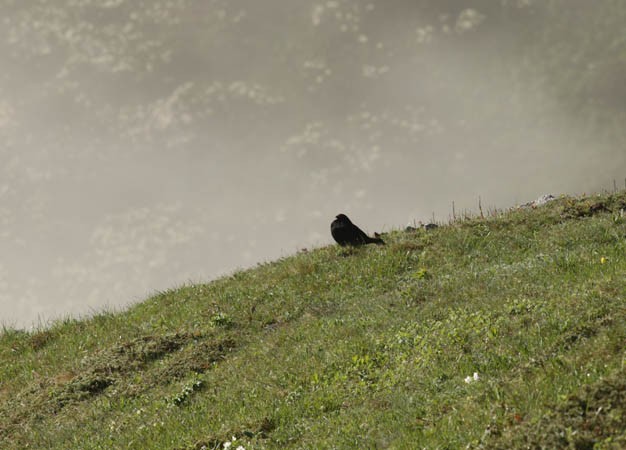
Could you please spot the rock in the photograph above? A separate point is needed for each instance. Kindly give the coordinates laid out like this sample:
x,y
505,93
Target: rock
x,y
545,198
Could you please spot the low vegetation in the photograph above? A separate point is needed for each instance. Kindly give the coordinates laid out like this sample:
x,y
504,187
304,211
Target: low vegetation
x,y
504,331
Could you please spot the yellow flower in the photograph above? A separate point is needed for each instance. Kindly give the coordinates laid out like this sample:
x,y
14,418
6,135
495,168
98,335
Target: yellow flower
x,y
602,260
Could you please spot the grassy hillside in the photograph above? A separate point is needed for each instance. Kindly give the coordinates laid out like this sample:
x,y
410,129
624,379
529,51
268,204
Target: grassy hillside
x,y
354,348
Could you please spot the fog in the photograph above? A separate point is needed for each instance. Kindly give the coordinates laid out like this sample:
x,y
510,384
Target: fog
x,y
149,144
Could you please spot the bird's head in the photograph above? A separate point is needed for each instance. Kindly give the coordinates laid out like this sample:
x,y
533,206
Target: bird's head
x,y
343,218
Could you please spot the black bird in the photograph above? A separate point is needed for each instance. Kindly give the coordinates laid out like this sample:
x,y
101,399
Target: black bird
x,y
347,233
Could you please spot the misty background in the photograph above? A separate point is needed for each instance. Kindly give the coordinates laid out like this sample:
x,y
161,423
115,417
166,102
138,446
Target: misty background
x,y
149,143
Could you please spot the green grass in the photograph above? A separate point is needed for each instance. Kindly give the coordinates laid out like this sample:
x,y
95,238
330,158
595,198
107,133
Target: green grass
x,y
354,348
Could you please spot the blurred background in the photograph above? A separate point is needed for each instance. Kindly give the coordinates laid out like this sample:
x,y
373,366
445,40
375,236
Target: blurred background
x,y
149,143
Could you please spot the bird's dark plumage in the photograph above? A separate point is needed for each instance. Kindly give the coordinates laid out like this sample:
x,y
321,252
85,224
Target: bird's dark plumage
x,y
347,233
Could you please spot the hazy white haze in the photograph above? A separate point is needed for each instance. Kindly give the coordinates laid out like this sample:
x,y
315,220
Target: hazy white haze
x,y
150,143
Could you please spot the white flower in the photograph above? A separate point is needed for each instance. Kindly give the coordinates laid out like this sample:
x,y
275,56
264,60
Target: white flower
x,y
227,444
241,447
471,379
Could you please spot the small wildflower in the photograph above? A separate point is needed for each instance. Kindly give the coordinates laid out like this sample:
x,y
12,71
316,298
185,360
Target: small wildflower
x,y
602,260
227,444
241,447
470,379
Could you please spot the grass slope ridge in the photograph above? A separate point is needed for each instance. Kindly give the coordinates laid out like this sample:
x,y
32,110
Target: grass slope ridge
x,y
356,348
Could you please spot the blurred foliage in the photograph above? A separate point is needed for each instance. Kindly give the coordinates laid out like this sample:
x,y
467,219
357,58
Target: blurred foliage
x,y
138,68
